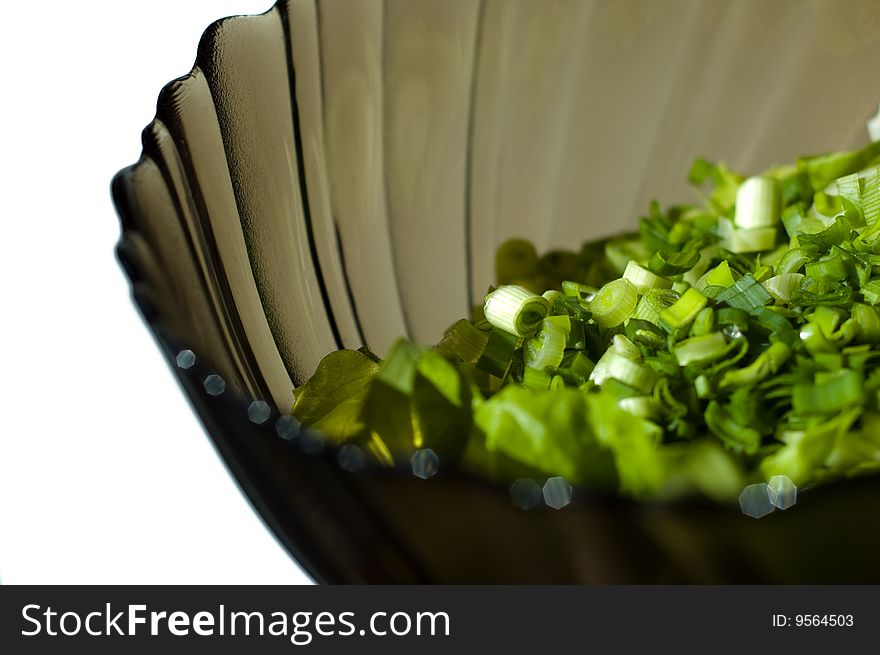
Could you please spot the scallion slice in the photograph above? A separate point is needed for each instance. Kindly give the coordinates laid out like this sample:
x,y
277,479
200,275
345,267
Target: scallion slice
x,y
758,204
704,348
757,239
766,363
547,347
782,286
613,365
644,280
614,303
720,276
515,309
683,311
746,294
831,392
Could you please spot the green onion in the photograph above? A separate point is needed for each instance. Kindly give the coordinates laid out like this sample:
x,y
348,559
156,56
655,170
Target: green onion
x,y
737,437
824,169
515,260
704,323
643,406
498,353
870,197
577,290
704,348
848,187
766,363
535,378
752,240
781,286
623,346
654,302
516,310
673,263
548,346
794,260
614,303
719,276
831,392
871,292
581,365
725,352
644,280
622,251
833,235
464,341
733,317
758,204
683,311
613,365
867,323
815,341
746,293
832,267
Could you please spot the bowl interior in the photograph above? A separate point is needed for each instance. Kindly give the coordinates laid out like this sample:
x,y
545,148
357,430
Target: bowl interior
x,y
332,174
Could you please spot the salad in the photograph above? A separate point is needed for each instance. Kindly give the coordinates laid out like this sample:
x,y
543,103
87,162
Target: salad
x,y
722,344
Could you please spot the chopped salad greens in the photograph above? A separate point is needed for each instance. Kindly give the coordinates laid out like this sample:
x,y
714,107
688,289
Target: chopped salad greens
x,y
723,344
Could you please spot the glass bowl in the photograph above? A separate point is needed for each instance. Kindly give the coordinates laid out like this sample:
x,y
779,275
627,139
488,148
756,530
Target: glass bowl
x,y
331,174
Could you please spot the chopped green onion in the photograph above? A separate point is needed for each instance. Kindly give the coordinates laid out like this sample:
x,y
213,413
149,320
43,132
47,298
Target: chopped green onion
x,y
582,365
643,406
870,197
719,276
498,352
766,363
683,311
643,280
614,303
704,323
704,348
516,310
831,266
622,251
824,169
755,239
725,353
515,260
734,317
737,437
781,286
464,341
625,347
867,323
871,292
673,263
654,302
613,365
548,346
577,336
746,293
848,187
827,318
581,291
535,378
814,341
758,201
793,261
831,392
833,235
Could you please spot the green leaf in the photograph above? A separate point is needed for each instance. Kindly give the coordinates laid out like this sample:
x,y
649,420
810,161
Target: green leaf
x,y
548,430
331,399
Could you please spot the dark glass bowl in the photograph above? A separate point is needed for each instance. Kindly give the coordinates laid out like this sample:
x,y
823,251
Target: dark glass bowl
x,y
338,173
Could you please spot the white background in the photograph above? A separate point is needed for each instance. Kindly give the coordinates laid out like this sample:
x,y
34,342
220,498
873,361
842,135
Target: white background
x,y
105,474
